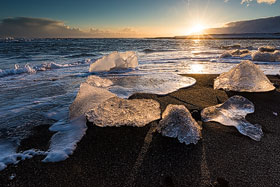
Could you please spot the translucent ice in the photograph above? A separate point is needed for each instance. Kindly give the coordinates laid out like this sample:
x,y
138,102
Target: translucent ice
x,y
245,77
87,98
115,60
177,122
266,56
232,113
98,81
120,112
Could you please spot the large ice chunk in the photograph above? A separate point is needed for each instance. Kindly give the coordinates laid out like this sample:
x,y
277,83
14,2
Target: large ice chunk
x,y
116,112
245,77
115,60
232,113
266,56
87,98
177,122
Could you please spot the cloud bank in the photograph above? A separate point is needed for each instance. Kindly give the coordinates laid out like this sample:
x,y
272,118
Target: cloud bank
x,y
25,27
259,1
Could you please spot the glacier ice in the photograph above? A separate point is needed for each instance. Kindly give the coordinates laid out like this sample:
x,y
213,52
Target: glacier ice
x,y
117,112
266,49
115,60
177,122
232,113
87,98
98,81
266,56
245,77
235,53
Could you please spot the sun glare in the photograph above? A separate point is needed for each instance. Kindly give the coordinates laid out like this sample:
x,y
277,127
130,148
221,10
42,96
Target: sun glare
x,y
197,29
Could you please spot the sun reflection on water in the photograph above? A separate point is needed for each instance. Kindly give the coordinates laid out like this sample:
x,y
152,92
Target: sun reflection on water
x,y
196,68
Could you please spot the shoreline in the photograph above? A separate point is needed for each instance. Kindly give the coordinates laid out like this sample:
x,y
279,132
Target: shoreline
x,y
131,156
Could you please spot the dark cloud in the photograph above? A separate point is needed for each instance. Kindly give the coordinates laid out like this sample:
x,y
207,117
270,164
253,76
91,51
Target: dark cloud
x,y
264,25
25,27
37,28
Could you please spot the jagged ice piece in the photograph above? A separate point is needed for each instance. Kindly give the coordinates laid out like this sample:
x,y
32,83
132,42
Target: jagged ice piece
x,y
245,77
177,122
232,113
115,60
116,112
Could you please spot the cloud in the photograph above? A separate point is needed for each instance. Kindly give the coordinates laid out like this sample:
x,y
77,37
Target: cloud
x,y
26,27
259,1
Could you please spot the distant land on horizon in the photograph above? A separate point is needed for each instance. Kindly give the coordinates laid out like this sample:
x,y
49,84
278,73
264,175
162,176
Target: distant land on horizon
x,y
263,28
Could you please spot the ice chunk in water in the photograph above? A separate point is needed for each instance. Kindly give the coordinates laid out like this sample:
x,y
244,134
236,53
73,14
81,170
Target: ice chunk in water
x,y
119,112
115,60
87,98
266,56
232,113
235,53
266,49
98,81
177,122
245,77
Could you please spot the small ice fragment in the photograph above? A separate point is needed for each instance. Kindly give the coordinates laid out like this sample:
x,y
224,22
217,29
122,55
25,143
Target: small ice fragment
x,y
115,60
275,113
232,113
235,53
13,175
177,122
245,77
87,98
98,81
266,49
116,112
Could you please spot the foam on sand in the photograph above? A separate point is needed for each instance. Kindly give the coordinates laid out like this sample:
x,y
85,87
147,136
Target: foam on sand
x,y
115,60
64,141
232,113
116,112
177,122
245,77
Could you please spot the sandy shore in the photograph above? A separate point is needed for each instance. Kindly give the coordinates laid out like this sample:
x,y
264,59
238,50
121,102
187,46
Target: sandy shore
x,y
130,156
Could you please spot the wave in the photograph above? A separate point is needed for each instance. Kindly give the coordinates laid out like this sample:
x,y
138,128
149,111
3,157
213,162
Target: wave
x,y
154,51
42,67
81,55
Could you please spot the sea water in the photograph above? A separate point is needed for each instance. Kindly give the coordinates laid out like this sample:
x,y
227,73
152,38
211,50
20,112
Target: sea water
x,y
39,78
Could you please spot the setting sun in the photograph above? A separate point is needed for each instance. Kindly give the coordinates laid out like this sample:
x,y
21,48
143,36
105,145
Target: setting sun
x,y
197,29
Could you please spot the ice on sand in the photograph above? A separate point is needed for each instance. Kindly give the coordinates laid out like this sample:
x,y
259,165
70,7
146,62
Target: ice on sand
x,y
115,60
245,77
87,98
177,122
266,49
235,53
116,112
232,113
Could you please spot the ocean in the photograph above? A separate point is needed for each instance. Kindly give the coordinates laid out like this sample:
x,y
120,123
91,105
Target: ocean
x,y
39,78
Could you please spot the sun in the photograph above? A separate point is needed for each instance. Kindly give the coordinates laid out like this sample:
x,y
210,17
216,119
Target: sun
x,y
197,29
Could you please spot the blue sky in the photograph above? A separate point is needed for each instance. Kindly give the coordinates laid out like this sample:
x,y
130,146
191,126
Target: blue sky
x,y
164,16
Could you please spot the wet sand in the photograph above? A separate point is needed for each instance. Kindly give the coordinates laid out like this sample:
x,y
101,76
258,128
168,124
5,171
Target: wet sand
x,y
129,156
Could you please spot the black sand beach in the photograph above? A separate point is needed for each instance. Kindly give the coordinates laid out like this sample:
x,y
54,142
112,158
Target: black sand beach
x,y
128,156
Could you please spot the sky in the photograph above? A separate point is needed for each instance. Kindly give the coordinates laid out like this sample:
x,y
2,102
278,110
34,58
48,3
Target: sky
x,y
125,18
